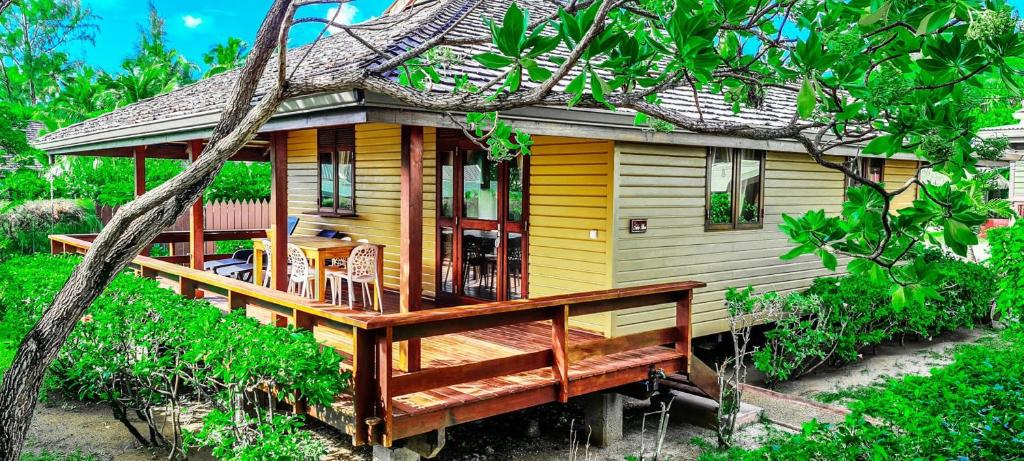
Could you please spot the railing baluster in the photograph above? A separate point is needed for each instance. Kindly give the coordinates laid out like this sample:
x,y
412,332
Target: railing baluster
x,y
684,324
560,350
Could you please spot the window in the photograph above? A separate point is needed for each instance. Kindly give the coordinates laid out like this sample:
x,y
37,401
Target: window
x,y
735,189
337,171
871,168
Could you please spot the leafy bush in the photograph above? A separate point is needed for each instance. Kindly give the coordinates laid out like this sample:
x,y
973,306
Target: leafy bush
x,y
1008,261
838,317
231,246
140,346
24,227
967,410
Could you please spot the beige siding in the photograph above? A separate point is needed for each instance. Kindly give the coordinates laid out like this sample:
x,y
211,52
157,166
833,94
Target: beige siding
x,y
570,196
896,175
378,157
666,185
1017,184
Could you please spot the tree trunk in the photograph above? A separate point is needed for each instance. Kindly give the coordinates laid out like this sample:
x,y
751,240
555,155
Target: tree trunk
x,y
133,227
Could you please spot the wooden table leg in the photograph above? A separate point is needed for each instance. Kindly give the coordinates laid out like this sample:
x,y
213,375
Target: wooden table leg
x,y
378,287
321,273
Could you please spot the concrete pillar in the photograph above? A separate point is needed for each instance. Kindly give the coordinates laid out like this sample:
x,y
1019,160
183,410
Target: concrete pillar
x,y
382,453
603,415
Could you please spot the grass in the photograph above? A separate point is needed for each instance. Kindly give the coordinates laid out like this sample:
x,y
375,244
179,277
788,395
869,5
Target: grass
x,y
850,393
53,456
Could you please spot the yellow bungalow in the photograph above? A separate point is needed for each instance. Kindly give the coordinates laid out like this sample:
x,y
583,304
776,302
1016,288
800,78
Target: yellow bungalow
x,y
587,246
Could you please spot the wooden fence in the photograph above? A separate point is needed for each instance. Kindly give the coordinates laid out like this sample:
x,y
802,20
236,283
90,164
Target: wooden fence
x,y
233,215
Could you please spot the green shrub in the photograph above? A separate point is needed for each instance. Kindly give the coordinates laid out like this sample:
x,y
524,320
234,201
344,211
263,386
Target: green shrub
x,y
838,317
140,346
54,456
231,246
25,227
968,410
1008,262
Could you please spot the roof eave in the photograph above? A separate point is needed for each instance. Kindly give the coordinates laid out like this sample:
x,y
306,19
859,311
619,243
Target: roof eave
x,y
317,110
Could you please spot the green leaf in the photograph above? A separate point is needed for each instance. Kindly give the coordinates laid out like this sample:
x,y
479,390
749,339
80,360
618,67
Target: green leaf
x,y
597,86
493,60
513,28
899,298
934,20
959,232
882,145
575,87
828,259
805,100
538,73
878,15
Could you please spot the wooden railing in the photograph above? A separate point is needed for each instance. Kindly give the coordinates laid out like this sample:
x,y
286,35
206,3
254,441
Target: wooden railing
x,y
368,339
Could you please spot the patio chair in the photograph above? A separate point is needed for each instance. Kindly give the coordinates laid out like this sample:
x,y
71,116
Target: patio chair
x,y
238,257
361,268
241,271
301,277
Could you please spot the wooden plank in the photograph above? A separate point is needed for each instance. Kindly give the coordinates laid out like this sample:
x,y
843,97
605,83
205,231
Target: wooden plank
x,y
425,422
602,347
704,377
196,224
623,376
411,236
385,403
363,384
279,210
457,374
560,351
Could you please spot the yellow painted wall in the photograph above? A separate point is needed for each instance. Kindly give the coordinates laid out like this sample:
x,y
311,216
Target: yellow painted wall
x,y
571,183
895,176
666,185
378,170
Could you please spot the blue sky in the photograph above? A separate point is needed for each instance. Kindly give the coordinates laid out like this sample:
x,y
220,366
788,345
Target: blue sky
x,y
195,26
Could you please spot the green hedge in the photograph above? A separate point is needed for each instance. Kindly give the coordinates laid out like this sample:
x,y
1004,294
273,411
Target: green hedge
x,y
968,410
1007,245
140,346
833,321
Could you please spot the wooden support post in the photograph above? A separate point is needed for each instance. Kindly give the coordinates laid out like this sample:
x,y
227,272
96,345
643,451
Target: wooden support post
x,y
411,246
57,248
196,243
384,372
364,390
560,350
684,324
187,288
279,211
139,155
237,301
147,272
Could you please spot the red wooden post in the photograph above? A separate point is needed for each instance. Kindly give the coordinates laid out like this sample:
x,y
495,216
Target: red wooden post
x,y
560,350
364,390
279,210
684,324
411,247
384,372
196,245
139,154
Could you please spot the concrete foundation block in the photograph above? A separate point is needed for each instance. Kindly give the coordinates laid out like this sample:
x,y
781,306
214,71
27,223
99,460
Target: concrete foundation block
x,y
603,415
382,453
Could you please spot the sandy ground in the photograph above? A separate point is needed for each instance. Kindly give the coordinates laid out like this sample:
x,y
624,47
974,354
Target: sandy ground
x,y
89,428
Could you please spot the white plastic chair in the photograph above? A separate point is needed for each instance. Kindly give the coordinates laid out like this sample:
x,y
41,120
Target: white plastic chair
x,y
301,278
360,268
266,258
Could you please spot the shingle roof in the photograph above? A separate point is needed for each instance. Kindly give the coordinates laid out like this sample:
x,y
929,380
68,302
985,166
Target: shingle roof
x,y
340,54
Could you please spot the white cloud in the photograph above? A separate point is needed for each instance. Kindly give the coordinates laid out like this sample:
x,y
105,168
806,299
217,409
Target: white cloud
x,y
192,21
345,16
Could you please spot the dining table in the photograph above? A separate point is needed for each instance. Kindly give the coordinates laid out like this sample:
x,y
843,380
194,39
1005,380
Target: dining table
x,y
320,250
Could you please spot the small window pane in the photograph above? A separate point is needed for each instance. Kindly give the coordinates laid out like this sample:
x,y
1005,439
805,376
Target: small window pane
x,y
750,187
479,264
447,161
447,261
515,189
480,186
873,168
514,283
720,184
327,180
346,181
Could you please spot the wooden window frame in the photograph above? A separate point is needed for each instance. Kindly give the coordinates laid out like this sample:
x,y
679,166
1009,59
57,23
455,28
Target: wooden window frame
x,y
336,211
734,191
862,169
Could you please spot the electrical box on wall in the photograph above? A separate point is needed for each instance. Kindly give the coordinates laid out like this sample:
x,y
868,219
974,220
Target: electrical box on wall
x,y
638,226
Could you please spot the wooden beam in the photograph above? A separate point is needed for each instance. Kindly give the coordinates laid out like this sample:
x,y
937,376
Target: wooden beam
x,y
560,350
279,211
196,242
139,156
684,324
411,246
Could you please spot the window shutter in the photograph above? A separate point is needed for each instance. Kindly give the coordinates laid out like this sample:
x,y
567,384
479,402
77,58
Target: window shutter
x,y
342,138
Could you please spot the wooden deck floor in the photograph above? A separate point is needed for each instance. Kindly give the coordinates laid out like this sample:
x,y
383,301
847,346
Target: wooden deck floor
x,y
473,400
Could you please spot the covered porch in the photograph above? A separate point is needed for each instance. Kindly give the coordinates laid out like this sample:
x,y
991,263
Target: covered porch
x,y
429,353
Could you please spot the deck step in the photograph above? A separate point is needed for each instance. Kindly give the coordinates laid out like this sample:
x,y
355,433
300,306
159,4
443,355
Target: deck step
x,y
681,383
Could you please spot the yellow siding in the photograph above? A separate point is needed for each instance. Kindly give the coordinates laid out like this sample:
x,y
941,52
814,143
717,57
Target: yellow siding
x,y
378,157
896,175
666,185
570,196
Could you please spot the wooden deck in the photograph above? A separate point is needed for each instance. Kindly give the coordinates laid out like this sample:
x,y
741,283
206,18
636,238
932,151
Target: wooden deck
x,y
476,361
